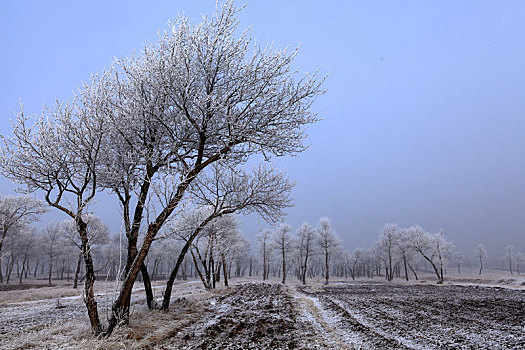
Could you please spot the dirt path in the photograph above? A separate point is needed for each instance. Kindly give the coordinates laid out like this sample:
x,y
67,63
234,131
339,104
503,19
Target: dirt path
x,y
250,316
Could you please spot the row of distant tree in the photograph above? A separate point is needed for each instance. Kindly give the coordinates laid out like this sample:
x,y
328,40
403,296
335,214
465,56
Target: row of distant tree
x,y
401,252
220,249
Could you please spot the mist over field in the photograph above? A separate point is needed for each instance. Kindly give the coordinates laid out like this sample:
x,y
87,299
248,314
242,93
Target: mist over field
x,y
312,175
422,118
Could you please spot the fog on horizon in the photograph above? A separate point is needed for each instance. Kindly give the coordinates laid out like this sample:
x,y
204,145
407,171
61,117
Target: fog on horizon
x,y
423,121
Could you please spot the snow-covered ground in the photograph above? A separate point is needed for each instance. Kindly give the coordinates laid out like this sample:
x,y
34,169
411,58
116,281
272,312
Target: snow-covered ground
x,y
365,314
386,316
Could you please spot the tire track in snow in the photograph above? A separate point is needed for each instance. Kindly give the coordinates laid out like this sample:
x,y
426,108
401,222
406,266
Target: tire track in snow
x,y
322,321
346,328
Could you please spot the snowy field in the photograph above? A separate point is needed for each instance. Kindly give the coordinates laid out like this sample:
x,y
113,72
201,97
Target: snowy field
x,y
465,313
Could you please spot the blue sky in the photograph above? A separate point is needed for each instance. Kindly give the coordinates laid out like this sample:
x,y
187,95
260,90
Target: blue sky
x,y
423,119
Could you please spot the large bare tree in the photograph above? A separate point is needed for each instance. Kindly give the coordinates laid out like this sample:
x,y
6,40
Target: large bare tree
x,y
57,154
202,93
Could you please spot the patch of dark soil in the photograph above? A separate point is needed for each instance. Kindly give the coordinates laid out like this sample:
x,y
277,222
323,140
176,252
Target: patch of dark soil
x,y
439,317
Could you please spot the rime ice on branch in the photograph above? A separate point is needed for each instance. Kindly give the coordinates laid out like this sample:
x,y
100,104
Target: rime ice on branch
x,y
198,95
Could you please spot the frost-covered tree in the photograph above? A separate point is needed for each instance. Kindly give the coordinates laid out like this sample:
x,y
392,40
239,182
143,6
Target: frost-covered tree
x,y
239,255
406,252
265,249
51,241
386,248
305,238
225,190
328,242
17,212
16,248
458,258
434,248
283,242
509,256
356,259
209,250
442,248
229,240
57,154
26,246
520,257
201,94
481,253
97,234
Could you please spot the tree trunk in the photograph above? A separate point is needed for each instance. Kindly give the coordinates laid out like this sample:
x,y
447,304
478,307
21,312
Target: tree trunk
x,y
147,285
224,271
119,305
305,265
10,266
480,265
405,266
27,271
180,259
201,276
440,277
284,265
89,293
327,272
413,271
62,270
213,273
50,271
23,269
77,271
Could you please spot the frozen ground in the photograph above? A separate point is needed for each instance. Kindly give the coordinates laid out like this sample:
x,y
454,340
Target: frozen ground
x,y
366,314
384,316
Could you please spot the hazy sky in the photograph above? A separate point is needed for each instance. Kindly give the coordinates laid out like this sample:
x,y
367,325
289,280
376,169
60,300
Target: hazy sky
x,y
423,120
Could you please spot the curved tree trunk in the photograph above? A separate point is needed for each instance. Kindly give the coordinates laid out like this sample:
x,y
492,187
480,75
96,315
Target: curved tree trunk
x,y
413,271
169,284
147,285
